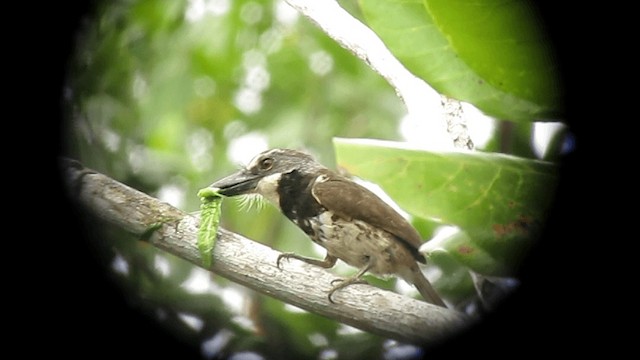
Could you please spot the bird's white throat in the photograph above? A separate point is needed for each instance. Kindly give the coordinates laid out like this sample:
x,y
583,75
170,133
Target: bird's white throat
x,y
268,188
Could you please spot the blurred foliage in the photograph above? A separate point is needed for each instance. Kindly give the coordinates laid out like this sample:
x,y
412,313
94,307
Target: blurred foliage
x,y
168,96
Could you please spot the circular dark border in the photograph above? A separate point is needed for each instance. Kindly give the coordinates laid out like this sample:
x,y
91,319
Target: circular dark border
x,y
87,314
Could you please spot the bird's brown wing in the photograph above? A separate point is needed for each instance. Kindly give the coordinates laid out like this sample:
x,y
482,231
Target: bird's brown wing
x,y
349,200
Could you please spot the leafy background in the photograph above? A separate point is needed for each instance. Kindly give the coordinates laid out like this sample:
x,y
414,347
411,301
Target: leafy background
x,y
167,96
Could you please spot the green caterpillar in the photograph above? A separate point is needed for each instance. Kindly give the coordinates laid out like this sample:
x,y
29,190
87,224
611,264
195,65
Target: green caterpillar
x,y
209,221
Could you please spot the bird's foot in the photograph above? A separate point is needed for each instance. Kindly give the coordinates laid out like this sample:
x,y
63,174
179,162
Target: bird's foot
x,y
344,283
326,263
286,256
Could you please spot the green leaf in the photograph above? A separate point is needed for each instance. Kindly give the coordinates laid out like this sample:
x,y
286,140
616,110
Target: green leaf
x,y
492,53
497,202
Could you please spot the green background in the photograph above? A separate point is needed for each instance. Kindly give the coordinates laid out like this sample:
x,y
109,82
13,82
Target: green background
x,y
162,94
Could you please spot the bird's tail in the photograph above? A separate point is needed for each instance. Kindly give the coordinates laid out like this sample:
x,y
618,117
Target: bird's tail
x,y
424,287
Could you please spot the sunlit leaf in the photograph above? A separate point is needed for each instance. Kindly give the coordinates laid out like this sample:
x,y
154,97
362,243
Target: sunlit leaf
x,y
497,201
493,54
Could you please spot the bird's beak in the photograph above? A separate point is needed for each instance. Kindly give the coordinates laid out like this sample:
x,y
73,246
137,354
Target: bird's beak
x,y
239,183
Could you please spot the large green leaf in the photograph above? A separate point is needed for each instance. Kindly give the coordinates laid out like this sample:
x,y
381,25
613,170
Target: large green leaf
x,y
491,53
497,202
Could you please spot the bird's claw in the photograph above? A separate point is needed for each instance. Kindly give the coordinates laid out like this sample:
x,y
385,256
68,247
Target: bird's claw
x,y
344,283
282,256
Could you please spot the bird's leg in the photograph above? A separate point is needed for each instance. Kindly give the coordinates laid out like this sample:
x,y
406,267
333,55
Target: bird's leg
x,y
356,279
328,261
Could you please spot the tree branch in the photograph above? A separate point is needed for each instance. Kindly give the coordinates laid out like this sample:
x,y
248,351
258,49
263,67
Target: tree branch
x,y
254,265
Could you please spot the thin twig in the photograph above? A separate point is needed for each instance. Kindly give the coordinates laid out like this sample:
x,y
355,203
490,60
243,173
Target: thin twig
x,y
421,100
456,123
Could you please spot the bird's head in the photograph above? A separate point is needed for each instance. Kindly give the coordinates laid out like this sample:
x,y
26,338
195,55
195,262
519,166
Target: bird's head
x,y
262,175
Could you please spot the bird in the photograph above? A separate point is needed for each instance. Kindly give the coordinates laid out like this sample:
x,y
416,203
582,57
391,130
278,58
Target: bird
x,y
345,218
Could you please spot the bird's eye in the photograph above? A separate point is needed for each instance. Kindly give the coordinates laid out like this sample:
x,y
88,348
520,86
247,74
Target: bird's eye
x,y
266,164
